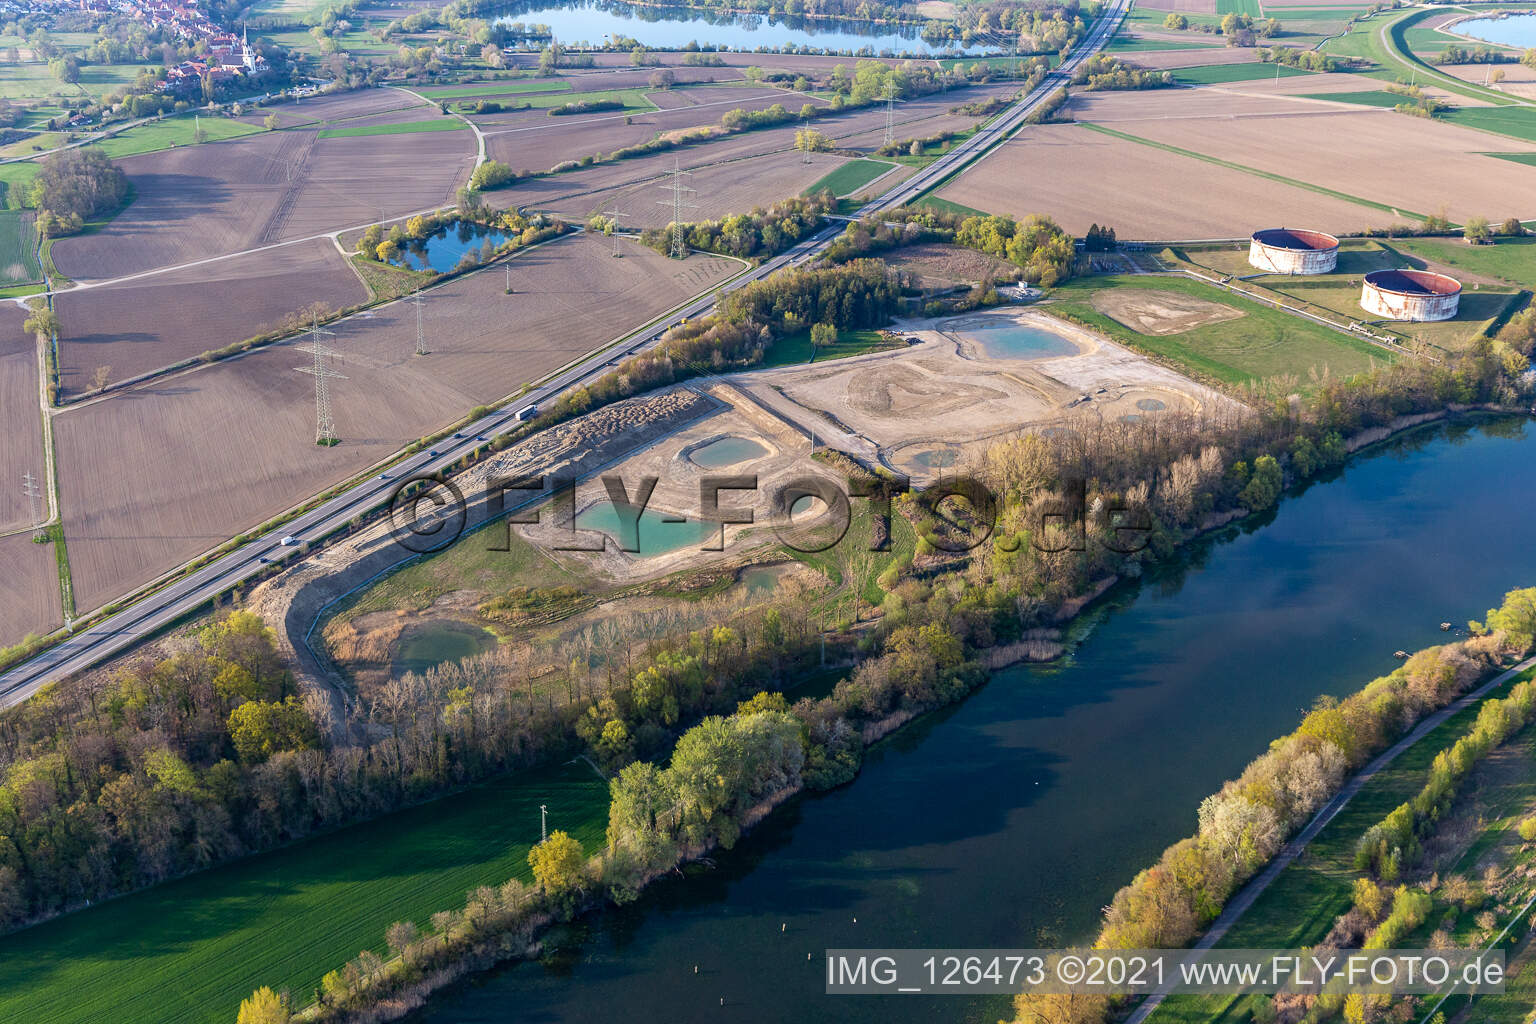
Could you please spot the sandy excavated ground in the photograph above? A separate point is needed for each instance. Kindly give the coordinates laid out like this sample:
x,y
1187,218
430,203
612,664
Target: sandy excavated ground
x,y
670,460
1300,139
1160,313
949,394
128,327
157,473
1081,177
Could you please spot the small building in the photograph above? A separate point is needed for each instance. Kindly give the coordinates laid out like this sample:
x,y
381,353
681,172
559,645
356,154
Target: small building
x,y
1293,251
1416,295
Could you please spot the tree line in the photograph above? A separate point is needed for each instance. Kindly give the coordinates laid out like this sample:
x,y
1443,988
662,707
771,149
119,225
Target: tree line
x,y
73,186
1242,827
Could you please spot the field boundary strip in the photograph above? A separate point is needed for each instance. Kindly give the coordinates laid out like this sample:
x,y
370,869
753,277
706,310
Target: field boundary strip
x,y
1267,175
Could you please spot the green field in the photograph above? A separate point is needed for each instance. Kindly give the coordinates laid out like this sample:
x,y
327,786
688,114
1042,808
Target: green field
x,y
448,92
1264,342
1528,159
851,177
1301,905
18,249
1508,259
1516,122
1364,98
173,131
190,950
1248,7
15,178
1220,74
447,124
795,349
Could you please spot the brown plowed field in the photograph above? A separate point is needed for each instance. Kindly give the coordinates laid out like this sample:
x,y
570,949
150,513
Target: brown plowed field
x,y
1300,139
162,319
1205,56
1519,80
158,473
723,160
21,423
194,202
533,141
1082,177
1187,6
29,601
723,189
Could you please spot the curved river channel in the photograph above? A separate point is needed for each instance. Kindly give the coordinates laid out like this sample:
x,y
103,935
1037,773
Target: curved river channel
x,y
1010,819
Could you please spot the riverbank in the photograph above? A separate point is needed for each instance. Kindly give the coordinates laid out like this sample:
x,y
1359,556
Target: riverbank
x,y
892,725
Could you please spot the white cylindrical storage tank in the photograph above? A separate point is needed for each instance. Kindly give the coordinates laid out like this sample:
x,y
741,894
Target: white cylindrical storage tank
x,y
1293,251
1410,295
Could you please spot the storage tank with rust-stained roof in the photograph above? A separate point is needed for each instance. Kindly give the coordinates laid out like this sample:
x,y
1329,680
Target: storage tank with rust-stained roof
x,y
1293,251
1417,295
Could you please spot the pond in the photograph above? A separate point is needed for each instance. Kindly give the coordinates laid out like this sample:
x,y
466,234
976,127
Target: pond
x,y
671,28
1010,819
727,451
1009,340
1515,30
442,250
660,533
439,642
936,458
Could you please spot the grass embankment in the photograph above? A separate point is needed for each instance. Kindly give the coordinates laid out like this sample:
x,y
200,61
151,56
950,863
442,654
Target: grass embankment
x,y
186,952
948,207
469,564
449,124
1300,907
1383,40
851,177
385,282
795,349
1263,342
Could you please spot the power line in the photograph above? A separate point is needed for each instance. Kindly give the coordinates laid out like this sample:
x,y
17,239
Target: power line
x,y
421,336
613,216
890,116
325,425
678,202
30,489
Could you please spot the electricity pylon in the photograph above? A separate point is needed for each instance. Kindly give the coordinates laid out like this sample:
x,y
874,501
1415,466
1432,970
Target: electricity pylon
x,y
421,334
678,202
325,425
614,215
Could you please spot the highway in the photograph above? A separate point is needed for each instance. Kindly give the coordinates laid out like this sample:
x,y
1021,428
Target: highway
x,y
124,629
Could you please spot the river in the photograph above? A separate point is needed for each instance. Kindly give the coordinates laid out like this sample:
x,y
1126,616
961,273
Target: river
x,y
1010,819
